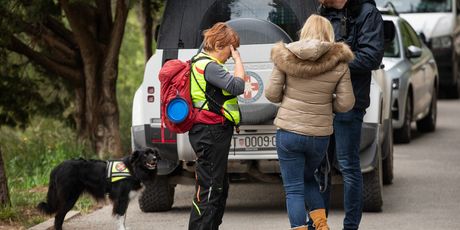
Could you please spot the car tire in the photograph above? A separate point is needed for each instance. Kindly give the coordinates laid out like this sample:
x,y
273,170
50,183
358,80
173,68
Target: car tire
x,y
387,163
373,189
158,195
403,134
428,123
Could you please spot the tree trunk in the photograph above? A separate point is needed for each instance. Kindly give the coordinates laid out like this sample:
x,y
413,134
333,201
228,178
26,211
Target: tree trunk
x,y
97,115
147,27
4,194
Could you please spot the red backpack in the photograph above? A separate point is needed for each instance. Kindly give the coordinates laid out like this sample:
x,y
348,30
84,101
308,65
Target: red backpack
x,y
177,111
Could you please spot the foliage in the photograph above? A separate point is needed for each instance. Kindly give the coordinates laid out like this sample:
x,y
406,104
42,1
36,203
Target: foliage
x,y
30,155
25,92
131,72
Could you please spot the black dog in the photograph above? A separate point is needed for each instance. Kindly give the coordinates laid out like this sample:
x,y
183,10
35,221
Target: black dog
x,y
73,177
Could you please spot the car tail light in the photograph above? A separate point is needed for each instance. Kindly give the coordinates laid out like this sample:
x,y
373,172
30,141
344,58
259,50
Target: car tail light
x,y
151,98
151,90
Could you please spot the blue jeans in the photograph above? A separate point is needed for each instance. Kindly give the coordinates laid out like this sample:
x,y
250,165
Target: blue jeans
x,y
299,157
347,139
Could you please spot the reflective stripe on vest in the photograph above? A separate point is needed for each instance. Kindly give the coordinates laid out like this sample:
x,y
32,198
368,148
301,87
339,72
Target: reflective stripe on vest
x,y
231,112
117,170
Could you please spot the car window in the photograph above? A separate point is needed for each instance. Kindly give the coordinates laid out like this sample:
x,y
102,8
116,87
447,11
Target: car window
x,y
184,21
392,48
419,6
413,35
275,11
405,36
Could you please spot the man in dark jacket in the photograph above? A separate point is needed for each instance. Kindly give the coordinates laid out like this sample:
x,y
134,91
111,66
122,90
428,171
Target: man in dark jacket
x,y
359,24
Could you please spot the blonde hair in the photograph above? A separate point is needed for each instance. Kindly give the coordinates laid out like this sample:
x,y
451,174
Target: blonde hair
x,y
220,35
319,28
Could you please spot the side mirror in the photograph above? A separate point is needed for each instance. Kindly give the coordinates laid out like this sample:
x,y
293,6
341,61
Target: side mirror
x,y
413,52
389,31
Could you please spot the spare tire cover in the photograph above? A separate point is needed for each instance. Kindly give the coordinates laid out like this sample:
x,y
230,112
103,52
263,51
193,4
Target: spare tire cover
x,y
256,31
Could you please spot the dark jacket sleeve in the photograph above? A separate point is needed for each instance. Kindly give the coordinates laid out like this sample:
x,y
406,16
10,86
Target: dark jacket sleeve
x,y
370,41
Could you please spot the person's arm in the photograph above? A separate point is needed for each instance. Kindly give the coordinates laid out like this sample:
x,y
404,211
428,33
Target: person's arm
x,y
370,43
345,99
275,87
216,75
239,68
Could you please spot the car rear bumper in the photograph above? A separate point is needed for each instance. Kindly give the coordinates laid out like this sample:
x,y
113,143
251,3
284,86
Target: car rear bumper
x,y
176,149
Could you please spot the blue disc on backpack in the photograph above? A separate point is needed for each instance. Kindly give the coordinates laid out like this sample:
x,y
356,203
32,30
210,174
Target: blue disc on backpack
x,y
177,110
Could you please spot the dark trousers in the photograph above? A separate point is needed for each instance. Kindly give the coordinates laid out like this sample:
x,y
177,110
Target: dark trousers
x,y
211,144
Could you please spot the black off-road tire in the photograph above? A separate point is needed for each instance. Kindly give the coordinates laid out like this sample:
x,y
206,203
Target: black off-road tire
x,y
158,195
373,189
403,134
428,123
387,164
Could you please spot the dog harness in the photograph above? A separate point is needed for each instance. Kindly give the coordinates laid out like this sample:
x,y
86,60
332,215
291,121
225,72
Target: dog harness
x,y
116,171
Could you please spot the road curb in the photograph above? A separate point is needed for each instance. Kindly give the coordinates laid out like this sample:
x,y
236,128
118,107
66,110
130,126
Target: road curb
x,y
49,224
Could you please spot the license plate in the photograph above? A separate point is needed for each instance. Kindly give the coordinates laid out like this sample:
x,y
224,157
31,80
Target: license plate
x,y
253,142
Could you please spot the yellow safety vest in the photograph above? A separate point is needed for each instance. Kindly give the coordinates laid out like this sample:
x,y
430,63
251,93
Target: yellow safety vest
x,y
231,109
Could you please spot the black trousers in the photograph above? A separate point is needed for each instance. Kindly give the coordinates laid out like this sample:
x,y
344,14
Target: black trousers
x,y
211,144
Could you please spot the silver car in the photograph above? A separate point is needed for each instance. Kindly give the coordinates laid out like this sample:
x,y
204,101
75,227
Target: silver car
x,y
414,80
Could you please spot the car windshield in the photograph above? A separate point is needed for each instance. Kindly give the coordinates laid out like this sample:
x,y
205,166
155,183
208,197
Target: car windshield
x,y
419,6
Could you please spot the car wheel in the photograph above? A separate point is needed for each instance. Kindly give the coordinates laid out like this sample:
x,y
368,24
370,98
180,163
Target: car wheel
x,y
387,163
403,134
373,189
157,196
428,123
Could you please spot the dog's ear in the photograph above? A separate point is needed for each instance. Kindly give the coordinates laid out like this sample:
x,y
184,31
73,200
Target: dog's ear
x,y
134,156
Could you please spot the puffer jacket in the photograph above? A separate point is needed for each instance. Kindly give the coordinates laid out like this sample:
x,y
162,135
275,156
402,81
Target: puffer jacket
x,y
311,79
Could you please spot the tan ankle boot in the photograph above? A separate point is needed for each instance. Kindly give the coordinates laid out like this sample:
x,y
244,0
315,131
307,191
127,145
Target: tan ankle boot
x,y
300,228
319,219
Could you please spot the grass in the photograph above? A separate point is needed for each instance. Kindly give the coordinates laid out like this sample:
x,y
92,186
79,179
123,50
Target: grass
x,y
29,156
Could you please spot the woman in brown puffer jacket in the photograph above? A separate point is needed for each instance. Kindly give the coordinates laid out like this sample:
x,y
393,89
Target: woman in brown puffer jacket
x,y
311,80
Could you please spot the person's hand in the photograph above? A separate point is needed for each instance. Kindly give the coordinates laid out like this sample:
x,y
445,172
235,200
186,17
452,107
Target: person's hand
x,y
235,54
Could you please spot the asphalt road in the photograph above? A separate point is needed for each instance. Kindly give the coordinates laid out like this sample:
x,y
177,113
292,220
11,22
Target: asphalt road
x,y
425,193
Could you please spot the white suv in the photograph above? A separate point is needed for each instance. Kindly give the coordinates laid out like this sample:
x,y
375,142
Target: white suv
x,y
253,156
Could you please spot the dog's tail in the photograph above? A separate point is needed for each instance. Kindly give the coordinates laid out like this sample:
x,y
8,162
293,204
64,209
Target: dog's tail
x,y
50,206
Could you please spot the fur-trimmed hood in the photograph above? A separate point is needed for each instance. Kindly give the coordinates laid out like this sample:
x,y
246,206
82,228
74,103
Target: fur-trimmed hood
x,y
306,58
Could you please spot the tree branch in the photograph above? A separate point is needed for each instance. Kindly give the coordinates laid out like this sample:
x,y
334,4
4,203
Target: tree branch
x,y
104,12
116,37
78,23
60,30
65,72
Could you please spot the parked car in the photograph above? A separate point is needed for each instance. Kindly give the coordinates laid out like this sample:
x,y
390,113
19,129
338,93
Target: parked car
x,y
260,24
414,79
438,22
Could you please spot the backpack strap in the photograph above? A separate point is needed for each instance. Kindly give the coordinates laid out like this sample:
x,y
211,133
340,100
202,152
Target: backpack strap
x,y
207,95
